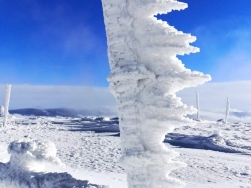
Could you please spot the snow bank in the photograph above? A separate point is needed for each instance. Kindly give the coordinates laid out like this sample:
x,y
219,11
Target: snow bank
x,y
27,165
145,75
229,138
214,142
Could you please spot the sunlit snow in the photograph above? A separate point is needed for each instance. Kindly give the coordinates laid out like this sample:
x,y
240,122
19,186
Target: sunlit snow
x,y
217,154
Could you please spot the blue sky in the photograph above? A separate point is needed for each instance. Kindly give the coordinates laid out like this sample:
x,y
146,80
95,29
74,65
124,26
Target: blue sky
x,y
62,42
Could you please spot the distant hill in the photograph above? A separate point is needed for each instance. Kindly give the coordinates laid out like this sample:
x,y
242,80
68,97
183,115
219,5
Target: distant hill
x,y
63,112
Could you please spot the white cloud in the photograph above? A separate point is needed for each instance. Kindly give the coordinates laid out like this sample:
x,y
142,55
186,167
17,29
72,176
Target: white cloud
x,y
77,97
212,98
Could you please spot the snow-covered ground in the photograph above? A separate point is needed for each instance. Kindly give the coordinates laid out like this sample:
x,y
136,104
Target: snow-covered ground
x,y
217,155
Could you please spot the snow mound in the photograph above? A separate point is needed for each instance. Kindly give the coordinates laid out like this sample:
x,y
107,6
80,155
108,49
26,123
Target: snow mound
x,y
27,165
33,155
217,141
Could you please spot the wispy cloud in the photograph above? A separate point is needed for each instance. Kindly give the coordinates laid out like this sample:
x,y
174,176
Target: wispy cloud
x,y
236,65
225,48
62,26
80,39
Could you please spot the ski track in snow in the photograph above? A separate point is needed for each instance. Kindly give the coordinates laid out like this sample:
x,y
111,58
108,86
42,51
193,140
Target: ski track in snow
x,y
94,156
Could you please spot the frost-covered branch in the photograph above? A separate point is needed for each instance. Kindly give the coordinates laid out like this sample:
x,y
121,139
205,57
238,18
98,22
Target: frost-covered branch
x,y
145,75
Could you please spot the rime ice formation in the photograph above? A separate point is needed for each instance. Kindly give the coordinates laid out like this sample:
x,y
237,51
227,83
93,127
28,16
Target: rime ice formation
x,y
1,111
145,75
6,104
198,105
26,166
227,110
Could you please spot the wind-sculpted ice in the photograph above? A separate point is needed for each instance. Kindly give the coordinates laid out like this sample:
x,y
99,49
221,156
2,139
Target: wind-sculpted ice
x,y
145,75
26,167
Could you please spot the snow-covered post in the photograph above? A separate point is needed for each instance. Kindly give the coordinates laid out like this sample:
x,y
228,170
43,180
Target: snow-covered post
x,y
227,110
1,111
198,105
145,76
6,104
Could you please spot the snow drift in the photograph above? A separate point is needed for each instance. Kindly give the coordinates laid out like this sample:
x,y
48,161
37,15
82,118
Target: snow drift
x,y
145,75
27,165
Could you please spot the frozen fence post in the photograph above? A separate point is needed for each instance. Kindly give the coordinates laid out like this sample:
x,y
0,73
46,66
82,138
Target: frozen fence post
x,y
145,76
227,110
6,104
1,111
198,105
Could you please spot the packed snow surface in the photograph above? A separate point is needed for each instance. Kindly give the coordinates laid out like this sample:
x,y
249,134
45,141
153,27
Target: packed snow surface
x,y
93,156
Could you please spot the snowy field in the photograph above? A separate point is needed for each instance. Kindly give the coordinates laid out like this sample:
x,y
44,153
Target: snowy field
x,y
217,155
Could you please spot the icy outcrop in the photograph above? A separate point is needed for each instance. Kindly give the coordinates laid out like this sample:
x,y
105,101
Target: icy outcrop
x,y
145,75
26,167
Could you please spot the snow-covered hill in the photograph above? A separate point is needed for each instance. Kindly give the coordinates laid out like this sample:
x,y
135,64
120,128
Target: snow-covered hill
x,y
63,112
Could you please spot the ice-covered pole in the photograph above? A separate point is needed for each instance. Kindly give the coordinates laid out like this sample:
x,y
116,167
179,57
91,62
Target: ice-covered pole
x,y
6,104
145,76
198,105
227,110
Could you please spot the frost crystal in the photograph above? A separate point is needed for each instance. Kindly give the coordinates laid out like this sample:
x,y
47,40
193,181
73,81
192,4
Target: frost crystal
x,y
145,75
